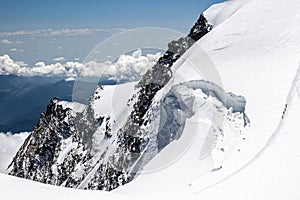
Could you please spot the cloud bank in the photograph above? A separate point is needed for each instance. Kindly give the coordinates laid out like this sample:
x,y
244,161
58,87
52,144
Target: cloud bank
x,y
5,41
127,67
58,59
9,145
58,32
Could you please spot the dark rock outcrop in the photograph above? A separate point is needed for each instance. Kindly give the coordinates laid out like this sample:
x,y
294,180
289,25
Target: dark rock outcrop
x,y
64,147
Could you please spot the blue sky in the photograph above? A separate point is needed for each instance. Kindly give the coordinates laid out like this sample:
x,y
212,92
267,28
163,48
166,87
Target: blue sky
x,y
53,31
39,14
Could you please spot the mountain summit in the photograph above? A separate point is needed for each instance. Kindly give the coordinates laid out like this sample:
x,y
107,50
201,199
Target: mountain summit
x,y
86,148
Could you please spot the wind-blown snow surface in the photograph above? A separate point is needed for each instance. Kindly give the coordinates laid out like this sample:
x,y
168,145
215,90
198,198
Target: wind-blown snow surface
x,y
255,47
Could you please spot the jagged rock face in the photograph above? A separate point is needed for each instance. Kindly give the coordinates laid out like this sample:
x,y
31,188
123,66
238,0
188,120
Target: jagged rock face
x,y
153,80
160,74
39,154
88,150
131,142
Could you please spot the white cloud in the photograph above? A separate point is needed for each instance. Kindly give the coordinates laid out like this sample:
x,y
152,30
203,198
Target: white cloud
x,y
70,32
21,63
127,67
132,67
9,145
59,59
8,66
5,41
58,32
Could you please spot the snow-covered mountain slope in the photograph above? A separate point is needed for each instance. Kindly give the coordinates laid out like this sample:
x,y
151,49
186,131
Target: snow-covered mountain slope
x,y
32,190
104,146
274,175
255,49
